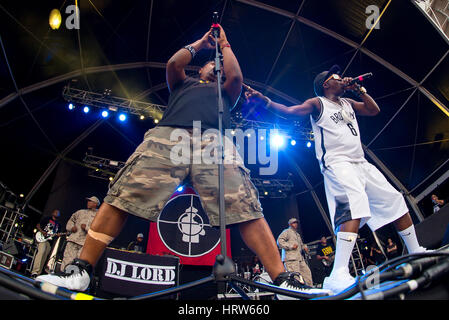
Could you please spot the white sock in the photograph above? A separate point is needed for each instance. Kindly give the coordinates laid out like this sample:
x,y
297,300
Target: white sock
x,y
411,242
343,251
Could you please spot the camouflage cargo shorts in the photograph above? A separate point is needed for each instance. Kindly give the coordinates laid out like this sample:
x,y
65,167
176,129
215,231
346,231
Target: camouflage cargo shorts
x,y
149,178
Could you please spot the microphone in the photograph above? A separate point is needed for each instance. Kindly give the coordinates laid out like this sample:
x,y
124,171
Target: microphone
x,y
215,27
359,79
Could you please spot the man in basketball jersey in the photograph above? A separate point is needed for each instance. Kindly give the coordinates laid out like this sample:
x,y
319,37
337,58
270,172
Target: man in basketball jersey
x,y
356,191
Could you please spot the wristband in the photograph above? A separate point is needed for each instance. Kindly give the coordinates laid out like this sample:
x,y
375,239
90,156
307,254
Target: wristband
x,y
191,50
225,45
361,91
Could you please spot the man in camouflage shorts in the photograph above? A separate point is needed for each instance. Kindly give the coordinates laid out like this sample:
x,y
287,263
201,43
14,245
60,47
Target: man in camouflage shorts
x,y
155,169
149,178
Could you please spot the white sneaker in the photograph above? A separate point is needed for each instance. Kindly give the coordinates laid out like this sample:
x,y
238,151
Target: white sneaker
x,y
286,280
337,282
79,280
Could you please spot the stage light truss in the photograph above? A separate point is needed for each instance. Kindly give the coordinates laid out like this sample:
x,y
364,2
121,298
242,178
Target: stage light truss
x,y
437,11
106,101
273,188
102,168
295,131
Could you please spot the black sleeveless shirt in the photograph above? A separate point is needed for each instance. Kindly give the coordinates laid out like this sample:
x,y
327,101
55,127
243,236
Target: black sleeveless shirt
x,y
196,100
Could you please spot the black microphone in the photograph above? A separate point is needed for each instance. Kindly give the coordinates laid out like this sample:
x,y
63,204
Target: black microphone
x,y
215,26
359,79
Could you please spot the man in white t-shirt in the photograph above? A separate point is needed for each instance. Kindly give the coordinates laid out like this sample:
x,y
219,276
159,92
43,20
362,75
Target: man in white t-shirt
x,y
356,191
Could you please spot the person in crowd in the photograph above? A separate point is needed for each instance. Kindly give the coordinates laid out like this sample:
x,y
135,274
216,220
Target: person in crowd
x,y
325,253
437,203
137,245
392,249
48,226
79,225
292,246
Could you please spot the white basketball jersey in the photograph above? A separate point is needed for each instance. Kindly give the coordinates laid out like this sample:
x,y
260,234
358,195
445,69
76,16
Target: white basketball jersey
x,y
336,139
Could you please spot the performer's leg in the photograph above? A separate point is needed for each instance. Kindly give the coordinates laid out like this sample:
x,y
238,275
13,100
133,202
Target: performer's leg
x,y
141,187
107,225
349,208
403,222
406,229
340,278
258,237
346,237
41,256
388,205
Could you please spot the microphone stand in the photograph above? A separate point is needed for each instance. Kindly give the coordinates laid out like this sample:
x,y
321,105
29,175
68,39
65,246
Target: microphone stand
x,y
224,266
224,270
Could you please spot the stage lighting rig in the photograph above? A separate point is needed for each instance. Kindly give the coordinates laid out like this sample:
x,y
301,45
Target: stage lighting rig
x,y
437,12
101,168
295,131
106,100
273,188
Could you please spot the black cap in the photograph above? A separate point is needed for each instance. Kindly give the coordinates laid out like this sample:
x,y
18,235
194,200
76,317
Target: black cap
x,y
321,77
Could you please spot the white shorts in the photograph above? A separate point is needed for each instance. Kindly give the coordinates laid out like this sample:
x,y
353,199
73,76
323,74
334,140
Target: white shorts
x,y
358,190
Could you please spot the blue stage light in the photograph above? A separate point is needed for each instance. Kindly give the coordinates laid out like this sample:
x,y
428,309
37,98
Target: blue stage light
x,y
71,106
86,109
180,188
105,114
309,144
122,117
277,140
293,142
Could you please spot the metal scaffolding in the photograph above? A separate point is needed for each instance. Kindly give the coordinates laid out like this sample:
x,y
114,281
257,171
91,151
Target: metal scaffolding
x,y
106,101
12,240
295,131
117,104
273,188
102,168
438,13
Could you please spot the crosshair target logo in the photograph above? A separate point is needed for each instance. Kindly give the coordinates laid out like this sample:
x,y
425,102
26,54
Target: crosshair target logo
x,y
184,227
